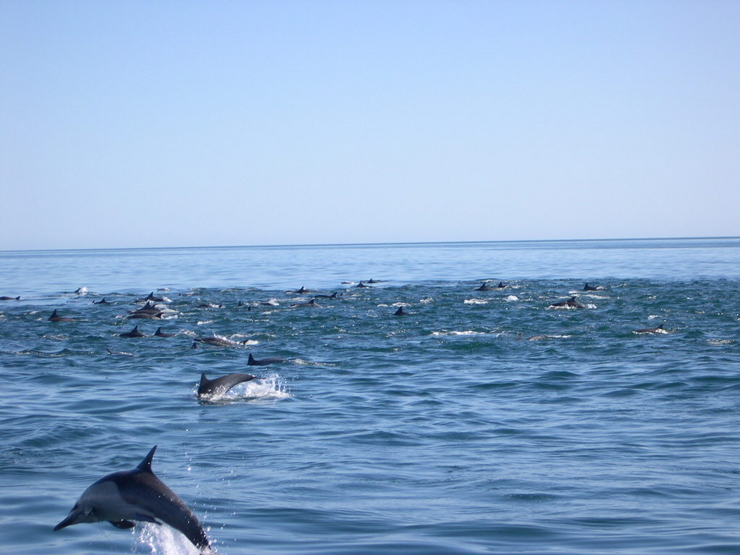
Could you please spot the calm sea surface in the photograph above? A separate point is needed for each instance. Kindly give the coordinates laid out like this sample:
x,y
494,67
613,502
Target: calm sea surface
x,y
479,422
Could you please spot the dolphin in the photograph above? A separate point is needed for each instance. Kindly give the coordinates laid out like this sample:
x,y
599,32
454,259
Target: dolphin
x,y
570,303
322,296
148,311
400,312
160,333
656,329
104,301
483,287
262,361
56,318
136,495
219,386
133,333
218,341
152,298
310,304
6,298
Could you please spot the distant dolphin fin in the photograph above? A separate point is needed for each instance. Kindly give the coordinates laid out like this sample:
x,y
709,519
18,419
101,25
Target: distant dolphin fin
x,y
146,464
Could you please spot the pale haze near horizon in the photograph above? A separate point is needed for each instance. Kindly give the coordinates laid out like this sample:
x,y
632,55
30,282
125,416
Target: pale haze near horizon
x,y
163,124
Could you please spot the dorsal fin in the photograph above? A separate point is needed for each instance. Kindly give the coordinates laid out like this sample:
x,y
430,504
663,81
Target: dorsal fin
x,y
660,327
203,381
251,359
146,464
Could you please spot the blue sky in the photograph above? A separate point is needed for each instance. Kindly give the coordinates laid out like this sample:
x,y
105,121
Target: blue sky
x,y
196,123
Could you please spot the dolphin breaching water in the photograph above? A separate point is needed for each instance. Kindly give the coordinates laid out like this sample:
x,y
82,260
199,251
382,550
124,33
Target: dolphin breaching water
x,y
122,498
219,386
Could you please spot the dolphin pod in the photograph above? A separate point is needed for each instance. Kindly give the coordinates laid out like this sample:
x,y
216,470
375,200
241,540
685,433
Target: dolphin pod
x,y
127,496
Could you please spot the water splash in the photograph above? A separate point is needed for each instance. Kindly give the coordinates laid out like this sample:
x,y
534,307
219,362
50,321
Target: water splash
x,y
268,388
161,540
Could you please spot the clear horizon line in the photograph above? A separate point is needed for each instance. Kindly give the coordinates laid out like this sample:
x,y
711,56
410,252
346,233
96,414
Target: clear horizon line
x,y
378,244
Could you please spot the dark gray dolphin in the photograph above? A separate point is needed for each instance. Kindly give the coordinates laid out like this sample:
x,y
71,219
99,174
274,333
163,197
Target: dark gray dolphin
x,y
5,298
160,333
219,386
400,312
309,304
219,341
570,303
104,301
148,311
56,318
656,329
263,361
322,296
133,333
588,287
136,495
483,287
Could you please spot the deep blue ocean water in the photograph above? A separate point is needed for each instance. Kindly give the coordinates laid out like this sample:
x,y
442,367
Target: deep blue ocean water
x,y
480,422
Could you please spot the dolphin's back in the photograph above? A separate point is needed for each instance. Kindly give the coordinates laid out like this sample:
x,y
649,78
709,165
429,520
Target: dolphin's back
x,y
219,386
144,489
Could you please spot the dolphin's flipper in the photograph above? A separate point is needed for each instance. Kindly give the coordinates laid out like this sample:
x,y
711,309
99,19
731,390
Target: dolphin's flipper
x,y
123,524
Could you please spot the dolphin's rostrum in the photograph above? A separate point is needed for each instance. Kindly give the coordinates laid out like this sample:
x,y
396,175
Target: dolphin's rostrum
x,y
136,495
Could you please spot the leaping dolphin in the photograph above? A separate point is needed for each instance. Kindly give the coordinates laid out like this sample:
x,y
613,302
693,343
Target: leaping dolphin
x,y
136,495
219,386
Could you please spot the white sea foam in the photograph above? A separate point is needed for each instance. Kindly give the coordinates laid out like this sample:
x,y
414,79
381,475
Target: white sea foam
x,y
475,301
456,333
